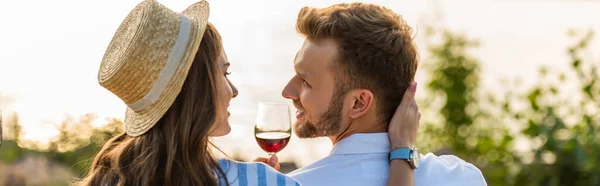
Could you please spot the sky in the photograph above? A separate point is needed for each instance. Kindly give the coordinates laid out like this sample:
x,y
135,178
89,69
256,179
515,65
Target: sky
x,y
50,52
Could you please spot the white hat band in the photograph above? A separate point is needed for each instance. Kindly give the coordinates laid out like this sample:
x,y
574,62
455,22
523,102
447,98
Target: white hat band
x,y
173,62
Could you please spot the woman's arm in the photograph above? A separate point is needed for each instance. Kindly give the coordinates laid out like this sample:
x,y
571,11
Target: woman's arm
x,y
403,131
401,174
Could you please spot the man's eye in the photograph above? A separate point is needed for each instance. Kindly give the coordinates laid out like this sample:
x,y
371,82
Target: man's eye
x,y
305,83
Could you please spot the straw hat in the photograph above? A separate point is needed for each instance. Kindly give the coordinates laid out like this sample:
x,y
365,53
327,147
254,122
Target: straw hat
x,y
148,59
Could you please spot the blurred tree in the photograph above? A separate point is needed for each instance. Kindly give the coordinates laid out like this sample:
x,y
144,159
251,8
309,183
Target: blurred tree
x,y
78,142
562,124
10,150
466,126
74,146
454,77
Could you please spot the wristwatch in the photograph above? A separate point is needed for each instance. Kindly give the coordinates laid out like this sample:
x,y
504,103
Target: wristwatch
x,y
412,156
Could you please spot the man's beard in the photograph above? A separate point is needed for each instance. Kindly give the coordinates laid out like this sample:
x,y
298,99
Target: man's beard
x,y
328,124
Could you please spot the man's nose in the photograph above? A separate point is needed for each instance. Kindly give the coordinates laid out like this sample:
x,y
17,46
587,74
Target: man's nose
x,y
289,91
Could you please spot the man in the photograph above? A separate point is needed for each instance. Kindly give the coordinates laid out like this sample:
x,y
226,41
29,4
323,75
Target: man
x,y
354,61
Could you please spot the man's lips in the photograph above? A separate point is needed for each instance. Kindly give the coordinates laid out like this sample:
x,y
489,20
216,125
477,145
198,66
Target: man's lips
x,y
300,109
299,114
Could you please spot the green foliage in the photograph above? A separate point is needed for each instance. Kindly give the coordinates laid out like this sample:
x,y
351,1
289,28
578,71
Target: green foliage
x,y
454,77
464,128
559,124
74,147
76,150
564,122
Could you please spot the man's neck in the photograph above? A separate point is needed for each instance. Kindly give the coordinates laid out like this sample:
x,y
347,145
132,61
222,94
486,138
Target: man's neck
x,y
358,127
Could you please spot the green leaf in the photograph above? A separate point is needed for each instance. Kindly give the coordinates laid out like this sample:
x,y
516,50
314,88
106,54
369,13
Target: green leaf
x,y
533,98
532,129
588,90
576,63
543,71
553,90
562,77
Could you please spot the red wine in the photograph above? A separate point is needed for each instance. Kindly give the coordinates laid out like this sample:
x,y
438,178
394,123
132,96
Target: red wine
x,y
272,142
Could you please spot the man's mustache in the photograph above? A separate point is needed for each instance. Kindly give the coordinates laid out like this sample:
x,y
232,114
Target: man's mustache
x,y
298,105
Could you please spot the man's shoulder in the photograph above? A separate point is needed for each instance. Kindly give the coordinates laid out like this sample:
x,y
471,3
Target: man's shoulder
x,y
350,170
373,169
311,169
448,169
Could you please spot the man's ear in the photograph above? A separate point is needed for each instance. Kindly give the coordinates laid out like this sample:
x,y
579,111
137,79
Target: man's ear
x,y
362,100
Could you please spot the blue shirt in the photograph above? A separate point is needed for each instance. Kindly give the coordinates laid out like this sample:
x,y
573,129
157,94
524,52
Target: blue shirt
x,y
362,159
253,174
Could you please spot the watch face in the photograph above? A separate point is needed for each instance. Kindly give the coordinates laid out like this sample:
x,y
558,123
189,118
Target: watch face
x,y
415,157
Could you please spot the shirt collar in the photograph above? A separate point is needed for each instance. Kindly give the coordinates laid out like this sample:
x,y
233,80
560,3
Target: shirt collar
x,y
363,143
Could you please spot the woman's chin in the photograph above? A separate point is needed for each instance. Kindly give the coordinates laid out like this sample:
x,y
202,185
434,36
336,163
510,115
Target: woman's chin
x,y
222,131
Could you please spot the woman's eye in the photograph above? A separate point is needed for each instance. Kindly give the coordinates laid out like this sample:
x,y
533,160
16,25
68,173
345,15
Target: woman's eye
x,y
227,73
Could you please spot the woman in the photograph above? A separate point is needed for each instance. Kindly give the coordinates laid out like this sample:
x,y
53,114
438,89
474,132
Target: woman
x,y
177,93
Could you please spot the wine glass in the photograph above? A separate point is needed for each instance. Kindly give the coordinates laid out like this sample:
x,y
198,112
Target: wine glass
x,y
273,126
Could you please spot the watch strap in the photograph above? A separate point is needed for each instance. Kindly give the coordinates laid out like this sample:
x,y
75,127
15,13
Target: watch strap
x,y
400,153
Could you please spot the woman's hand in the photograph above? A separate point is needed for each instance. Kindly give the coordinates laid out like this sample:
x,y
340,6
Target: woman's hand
x,y
405,122
403,131
273,161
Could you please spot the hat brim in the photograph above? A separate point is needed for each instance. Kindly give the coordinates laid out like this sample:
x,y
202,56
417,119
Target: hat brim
x,y
138,123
